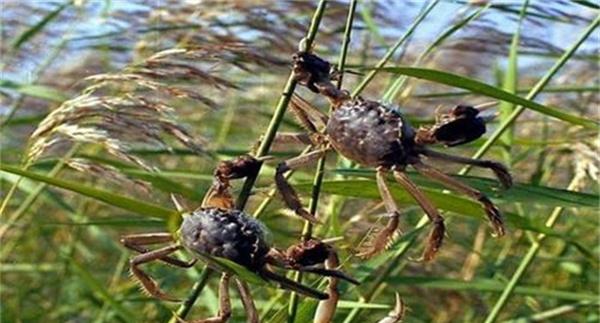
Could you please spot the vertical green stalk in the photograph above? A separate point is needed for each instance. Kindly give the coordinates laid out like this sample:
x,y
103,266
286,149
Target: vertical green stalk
x,y
393,49
527,260
534,91
539,86
187,304
510,84
318,178
532,252
282,105
392,92
263,150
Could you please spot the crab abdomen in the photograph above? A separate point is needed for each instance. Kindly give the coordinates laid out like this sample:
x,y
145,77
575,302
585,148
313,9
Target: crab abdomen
x,y
370,133
229,234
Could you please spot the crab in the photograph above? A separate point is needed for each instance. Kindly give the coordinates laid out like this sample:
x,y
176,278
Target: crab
x,y
377,135
217,230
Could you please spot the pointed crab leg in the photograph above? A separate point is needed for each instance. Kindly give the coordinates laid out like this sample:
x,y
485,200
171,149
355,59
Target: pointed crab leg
x,y
436,236
147,282
289,195
386,235
224,303
499,170
491,210
137,242
326,308
251,313
397,314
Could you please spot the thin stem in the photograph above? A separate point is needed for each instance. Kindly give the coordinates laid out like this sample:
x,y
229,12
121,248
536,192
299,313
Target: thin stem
x,y
539,86
186,306
280,109
318,178
263,150
32,197
393,49
527,260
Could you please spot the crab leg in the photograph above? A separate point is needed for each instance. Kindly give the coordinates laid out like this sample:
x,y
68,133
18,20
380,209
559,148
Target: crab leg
x,y
437,232
386,235
499,170
224,303
286,138
148,283
137,241
326,308
309,117
491,210
289,195
397,314
251,313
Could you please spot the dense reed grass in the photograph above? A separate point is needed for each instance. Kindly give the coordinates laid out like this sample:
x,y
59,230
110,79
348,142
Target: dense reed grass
x,y
108,107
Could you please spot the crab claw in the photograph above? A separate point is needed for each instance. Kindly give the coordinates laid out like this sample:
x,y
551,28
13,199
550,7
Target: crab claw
x,y
397,314
310,69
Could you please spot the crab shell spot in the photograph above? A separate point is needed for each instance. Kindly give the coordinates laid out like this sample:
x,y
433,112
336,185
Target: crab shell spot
x,y
370,133
229,234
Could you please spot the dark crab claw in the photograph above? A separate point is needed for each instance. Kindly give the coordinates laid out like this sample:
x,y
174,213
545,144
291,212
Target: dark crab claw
x,y
239,167
309,256
310,69
460,126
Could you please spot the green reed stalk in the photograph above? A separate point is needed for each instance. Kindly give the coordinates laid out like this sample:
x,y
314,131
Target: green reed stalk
x,y
318,178
527,260
393,49
539,86
281,107
263,150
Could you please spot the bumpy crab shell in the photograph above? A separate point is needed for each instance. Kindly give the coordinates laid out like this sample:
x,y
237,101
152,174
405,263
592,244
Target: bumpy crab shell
x,y
370,133
229,234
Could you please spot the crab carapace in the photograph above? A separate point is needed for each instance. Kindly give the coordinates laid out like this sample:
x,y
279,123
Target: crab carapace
x,y
377,135
217,230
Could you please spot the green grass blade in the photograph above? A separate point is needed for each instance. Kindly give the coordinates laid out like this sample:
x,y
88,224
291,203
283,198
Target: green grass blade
x,y
553,89
489,90
449,202
34,90
510,84
510,287
539,86
31,32
236,269
394,89
95,286
367,79
519,192
486,285
126,203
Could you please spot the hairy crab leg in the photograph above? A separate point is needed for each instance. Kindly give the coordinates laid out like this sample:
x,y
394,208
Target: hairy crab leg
x,y
309,117
137,241
386,235
491,210
289,195
499,170
147,282
224,303
436,237
251,313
